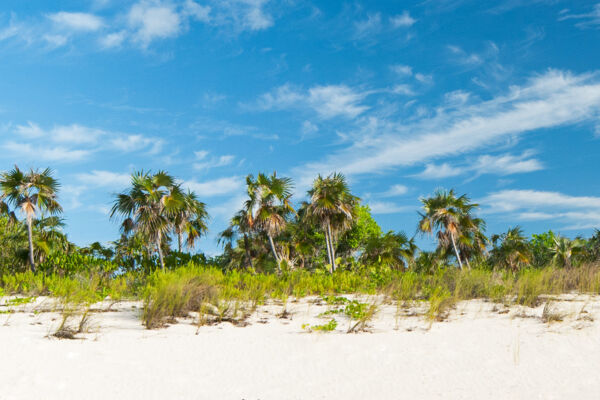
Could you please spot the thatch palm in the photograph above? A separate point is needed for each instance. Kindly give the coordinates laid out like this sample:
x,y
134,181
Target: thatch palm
x,y
190,219
511,249
564,250
332,206
392,249
33,193
239,225
268,205
450,216
149,207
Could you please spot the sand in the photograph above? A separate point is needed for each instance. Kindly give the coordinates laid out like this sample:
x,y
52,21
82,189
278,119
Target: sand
x,y
482,351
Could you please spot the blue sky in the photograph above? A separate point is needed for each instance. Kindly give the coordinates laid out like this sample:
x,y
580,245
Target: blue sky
x,y
500,100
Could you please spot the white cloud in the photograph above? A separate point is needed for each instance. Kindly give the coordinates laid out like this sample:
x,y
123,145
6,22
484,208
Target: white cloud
x,y
577,212
44,153
586,20
504,164
423,78
98,178
336,100
114,39
30,131
384,207
369,26
553,99
76,21
70,134
402,70
216,187
75,134
137,142
445,170
396,190
402,20
327,101
153,20
403,89
214,162
196,11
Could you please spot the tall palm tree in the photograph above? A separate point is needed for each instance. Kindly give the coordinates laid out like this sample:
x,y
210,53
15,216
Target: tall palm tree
x,y
149,207
268,205
33,193
239,225
511,249
333,207
190,219
450,215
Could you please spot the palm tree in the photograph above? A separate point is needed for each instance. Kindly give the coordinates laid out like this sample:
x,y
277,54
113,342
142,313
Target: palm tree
x,y
268,205
332,206
393,249
239,225
190,219
511,249
33,193
149,207
564,250
450,216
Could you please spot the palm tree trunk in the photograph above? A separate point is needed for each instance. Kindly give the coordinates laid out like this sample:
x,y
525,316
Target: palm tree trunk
x,y
179,240
160,253
467,261
274,252
456,251
30,237
328,248
247,248
331,246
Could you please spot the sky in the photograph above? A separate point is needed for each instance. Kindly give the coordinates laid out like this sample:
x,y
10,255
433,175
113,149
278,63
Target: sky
x,y
498,100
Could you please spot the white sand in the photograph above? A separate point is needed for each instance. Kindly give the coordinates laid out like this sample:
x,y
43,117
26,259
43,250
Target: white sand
x,y
476,354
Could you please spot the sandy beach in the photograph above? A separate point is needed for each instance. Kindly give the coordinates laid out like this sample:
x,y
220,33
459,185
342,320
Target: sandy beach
x,y
482,350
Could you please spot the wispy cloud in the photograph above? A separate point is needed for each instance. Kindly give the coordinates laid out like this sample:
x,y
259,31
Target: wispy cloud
x,y
206,163
100,178
216,187
77,21
328,101
30,152
585,20
402,20
576,212
552,99
504,164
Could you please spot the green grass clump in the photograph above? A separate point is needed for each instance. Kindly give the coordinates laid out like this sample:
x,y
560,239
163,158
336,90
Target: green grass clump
x,y
328,327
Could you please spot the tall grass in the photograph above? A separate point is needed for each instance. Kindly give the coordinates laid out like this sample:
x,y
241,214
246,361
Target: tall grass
x,y
203,289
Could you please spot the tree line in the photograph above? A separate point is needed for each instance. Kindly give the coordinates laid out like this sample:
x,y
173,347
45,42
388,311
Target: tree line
x,y
161,224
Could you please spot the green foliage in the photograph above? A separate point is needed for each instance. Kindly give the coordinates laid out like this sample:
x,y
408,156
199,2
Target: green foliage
x,y
328,327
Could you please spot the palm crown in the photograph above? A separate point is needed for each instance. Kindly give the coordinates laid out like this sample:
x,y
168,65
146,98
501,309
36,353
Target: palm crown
x,y
34,193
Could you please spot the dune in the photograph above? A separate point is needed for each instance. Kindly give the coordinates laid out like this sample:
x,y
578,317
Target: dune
x,y
480,351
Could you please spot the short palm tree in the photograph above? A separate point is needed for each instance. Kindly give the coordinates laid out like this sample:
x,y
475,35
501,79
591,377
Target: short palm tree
x,y
190,219
33,193
332,206
149,207
564,250
450,215
268,205
393,249
511,249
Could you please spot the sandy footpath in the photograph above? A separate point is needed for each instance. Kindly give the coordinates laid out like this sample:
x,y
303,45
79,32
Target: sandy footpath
x,y
483,351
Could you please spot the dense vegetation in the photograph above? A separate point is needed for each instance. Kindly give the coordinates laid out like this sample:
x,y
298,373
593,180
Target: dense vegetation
x,y
328,244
